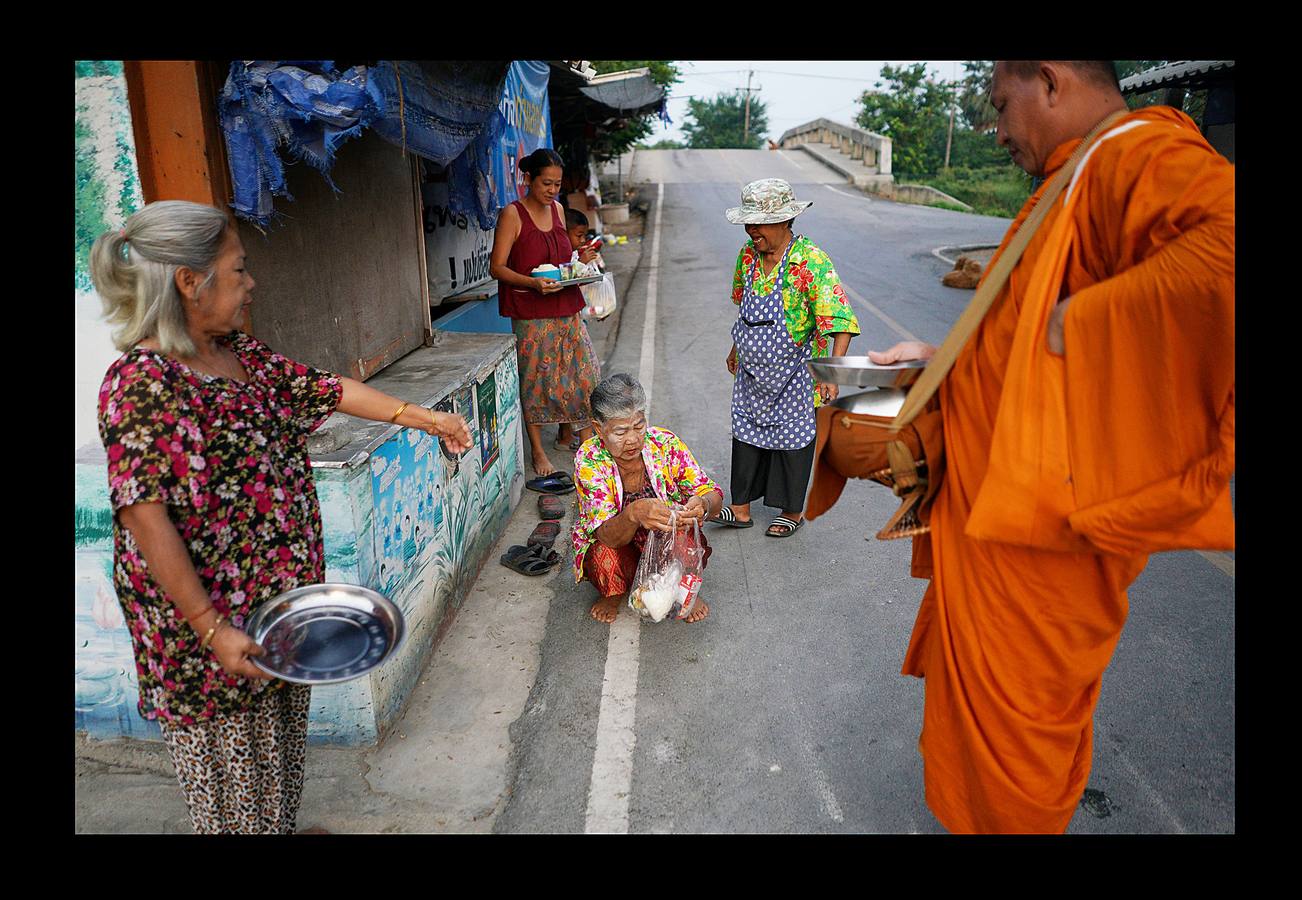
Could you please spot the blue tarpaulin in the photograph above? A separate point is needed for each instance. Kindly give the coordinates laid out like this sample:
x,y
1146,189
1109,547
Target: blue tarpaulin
x,y
307,109
486,177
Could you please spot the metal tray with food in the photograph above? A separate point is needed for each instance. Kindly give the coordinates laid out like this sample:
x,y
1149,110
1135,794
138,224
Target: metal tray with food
x,y
325,633
585,279
860,371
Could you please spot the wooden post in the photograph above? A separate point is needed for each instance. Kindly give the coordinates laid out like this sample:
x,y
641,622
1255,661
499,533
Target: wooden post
x,y
180,148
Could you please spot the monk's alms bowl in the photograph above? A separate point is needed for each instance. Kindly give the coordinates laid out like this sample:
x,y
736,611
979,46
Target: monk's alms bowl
x,y
325,633
884,403
860,371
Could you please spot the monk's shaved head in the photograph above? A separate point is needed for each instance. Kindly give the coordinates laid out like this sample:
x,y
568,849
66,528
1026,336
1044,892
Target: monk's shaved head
x,y
1100,71
1043,103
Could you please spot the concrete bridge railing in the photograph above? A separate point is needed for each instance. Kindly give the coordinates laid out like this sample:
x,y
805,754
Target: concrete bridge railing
x,y
874,150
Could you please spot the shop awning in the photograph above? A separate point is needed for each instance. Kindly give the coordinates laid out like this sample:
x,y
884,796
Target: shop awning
x,y
630,93
1190,74
578,99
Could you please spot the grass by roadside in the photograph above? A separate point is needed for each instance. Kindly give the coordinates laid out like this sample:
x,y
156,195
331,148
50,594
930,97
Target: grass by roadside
x,y
990,191
941,204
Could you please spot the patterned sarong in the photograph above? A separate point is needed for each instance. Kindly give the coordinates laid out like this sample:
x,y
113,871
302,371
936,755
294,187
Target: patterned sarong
x,y
558,369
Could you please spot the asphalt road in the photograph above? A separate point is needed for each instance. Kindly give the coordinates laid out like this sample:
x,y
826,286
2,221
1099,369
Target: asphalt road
x,y
785,710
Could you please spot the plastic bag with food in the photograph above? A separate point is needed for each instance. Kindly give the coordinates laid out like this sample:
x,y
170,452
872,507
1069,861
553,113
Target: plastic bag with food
x,y
669,573
599,297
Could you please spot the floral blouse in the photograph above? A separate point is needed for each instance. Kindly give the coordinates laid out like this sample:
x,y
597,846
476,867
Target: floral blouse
x,y
675,475
229,462
812,296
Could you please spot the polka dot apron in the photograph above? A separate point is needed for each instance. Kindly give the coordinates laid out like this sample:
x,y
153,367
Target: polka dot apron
x,y
773,393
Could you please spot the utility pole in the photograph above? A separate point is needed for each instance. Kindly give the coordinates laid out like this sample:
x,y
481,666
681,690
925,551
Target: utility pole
x,y
949,139
745,134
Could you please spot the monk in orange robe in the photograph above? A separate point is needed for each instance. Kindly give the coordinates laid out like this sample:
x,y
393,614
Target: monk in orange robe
x,y
1088,423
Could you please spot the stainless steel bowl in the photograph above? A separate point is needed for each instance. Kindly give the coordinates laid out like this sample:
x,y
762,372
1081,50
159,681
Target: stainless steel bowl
x,y
883,402
860,371
325,633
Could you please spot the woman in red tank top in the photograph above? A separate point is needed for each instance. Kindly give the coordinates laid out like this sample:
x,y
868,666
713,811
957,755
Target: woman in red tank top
x,y
558,368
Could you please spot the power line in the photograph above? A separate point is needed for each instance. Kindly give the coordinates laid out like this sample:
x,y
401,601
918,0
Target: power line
x,y
810,75
719,72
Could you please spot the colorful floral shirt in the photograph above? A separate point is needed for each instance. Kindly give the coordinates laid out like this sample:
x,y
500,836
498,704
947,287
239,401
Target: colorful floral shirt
x,y
812,296
229,462
675,474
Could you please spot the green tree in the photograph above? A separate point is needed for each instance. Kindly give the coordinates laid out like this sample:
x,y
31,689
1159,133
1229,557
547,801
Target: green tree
x,y
974,94
664,145
914,113
613,143
721,123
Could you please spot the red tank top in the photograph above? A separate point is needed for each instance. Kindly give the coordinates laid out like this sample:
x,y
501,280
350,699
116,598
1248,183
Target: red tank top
x,y
533,248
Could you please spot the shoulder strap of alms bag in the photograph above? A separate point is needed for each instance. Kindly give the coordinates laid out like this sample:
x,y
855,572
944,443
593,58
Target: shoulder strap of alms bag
x,y
938,367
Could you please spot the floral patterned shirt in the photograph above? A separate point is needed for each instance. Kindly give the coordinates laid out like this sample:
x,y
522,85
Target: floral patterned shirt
x,y
675,474
229,462
812,296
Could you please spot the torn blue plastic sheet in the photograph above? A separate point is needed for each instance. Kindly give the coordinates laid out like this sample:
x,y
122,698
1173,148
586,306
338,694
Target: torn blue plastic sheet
x,y
433,113
308,109
486,177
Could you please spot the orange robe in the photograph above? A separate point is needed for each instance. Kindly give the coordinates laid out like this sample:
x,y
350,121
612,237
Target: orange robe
x,y
1065,472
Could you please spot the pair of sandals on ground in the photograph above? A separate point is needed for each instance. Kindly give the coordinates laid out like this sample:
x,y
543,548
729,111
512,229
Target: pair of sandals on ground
x,y
780,527
536,556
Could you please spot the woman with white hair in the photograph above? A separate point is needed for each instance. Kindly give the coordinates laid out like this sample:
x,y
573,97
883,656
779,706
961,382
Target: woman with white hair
x,y
215,510
628,477
791,308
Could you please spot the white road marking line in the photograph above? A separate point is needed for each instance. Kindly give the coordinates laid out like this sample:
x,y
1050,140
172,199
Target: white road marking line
x,y
1153,795
890,323
823,787
844,194
612,763
803,164
1222,561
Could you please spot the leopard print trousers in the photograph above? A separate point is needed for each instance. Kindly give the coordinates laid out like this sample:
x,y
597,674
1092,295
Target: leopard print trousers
x,y
243,773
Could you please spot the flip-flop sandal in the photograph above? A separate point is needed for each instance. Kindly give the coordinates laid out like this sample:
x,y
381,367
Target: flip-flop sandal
x,y
550,507
544,534
555,483
727,517
550,557
525,561
788,527
573,446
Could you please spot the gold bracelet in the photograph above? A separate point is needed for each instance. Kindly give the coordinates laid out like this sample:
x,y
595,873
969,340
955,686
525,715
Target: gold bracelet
x,y
433,423
394,418
203,645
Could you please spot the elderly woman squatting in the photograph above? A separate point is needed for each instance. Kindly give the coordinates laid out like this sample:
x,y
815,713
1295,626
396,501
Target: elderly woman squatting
x,y
627,477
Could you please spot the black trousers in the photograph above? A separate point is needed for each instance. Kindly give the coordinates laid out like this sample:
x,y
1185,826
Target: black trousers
x,y
781,477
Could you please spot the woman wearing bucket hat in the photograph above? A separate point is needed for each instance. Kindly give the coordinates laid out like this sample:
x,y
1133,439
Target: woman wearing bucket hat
x,y
791,308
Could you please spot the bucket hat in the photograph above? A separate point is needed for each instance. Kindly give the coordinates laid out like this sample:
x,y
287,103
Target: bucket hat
x,y
767,202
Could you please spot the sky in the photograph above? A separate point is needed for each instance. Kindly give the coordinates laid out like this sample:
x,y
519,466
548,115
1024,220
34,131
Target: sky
x,y
794,91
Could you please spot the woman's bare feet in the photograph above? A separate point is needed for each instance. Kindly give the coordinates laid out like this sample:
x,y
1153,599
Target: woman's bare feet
x,y
702,610
606,609
541,464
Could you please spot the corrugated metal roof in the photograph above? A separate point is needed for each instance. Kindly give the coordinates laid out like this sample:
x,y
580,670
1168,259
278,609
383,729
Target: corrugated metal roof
x,y
1185,73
